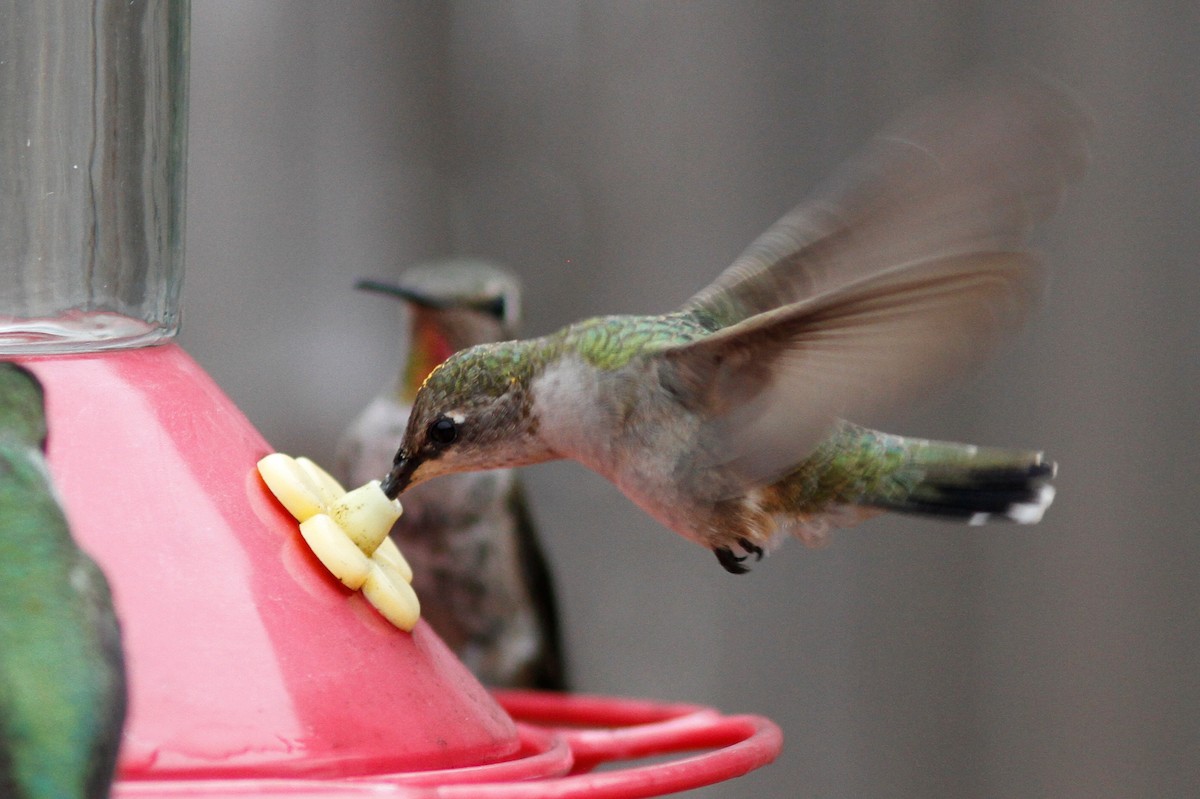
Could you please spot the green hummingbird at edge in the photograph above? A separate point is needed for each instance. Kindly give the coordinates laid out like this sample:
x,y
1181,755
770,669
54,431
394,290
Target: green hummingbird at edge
x,y
477,560
62,676
728,420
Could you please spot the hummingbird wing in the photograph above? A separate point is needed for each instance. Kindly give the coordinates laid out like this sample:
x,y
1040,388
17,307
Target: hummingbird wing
x,y
770,388
909,268
971,170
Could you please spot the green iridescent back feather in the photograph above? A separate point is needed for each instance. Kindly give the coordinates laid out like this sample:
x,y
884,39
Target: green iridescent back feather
x,y
852,463
48,715
604,342
611,342
867,468
62,694
22,419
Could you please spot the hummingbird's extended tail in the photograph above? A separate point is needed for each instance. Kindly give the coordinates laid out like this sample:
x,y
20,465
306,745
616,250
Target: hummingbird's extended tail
x,y
961,481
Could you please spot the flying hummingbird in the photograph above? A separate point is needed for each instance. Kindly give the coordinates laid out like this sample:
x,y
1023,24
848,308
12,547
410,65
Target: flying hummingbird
x,y
476,559
62,678
727,419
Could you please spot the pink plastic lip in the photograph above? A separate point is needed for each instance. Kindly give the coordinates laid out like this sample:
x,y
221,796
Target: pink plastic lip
x,y
593,730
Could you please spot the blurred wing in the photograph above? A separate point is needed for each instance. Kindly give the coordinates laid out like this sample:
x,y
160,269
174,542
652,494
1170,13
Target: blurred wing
x,y
773,385
971,171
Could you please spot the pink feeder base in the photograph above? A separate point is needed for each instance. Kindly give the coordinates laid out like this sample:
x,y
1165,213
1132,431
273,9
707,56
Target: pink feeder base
x,y
254,672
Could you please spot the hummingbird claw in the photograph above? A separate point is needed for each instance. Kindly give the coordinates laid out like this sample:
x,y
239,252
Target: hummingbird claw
x,y
730,562
751,548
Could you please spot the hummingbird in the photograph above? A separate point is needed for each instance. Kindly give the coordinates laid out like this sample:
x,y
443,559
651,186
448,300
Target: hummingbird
x,y
470,538
62,676
729,420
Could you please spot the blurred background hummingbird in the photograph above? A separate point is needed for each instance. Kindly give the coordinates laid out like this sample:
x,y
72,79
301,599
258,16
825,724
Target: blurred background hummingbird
x,y
726,420
478,566
62,677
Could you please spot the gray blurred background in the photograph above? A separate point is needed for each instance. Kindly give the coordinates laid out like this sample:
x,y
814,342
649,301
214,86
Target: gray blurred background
x,y
617,156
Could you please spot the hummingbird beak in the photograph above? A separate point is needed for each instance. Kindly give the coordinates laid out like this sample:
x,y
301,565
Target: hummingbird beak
x,y
495,307
400,292
400,475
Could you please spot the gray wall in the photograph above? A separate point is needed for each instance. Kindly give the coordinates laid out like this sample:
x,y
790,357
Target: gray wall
x,y
617,156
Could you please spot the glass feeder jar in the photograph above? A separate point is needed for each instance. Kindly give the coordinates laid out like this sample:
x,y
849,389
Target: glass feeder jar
x,y
93,115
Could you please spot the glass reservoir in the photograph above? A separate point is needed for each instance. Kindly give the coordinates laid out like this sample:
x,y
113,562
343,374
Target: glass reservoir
x,y
92,164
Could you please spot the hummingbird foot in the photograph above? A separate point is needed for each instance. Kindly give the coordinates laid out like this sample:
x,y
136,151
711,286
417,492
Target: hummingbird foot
x,y
751,548
733,563
730,562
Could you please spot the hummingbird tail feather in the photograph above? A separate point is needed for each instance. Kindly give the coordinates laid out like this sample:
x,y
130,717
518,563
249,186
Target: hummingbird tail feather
x,y
976,485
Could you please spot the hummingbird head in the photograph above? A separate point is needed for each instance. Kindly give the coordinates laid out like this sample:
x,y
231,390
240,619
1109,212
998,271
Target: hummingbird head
x,y
476,300
473,412
452,304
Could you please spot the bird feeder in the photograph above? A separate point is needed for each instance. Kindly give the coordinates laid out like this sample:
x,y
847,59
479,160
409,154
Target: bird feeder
x,y
251,670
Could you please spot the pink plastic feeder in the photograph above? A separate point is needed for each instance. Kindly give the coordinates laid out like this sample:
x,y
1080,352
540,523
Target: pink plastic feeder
x,y
254,672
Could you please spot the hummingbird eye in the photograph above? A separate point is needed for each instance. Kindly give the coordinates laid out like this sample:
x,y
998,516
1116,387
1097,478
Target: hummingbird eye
x,y
443,431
